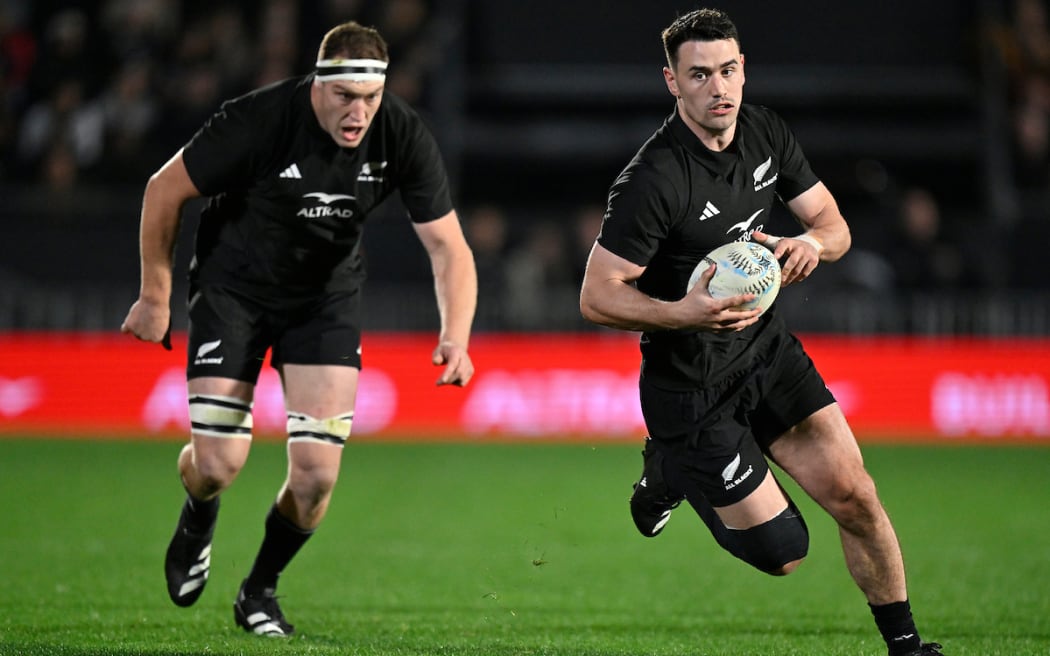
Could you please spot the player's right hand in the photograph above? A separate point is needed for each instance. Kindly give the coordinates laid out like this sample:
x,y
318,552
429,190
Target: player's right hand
x,y
149,321
706,312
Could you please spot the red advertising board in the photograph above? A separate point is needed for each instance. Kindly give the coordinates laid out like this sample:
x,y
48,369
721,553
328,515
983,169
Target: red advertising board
x,y
537,386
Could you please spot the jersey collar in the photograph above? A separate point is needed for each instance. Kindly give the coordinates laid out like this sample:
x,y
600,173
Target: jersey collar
x,y
718,163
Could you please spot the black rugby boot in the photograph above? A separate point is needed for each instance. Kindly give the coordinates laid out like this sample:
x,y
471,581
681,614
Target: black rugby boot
x,y
652,501
188,560
927,649
260,614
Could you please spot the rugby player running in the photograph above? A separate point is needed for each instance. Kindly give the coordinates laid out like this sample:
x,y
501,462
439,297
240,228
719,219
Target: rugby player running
x,y
724,389
291,171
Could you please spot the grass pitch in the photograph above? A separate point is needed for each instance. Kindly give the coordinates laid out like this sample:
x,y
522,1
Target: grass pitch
x,y
505,550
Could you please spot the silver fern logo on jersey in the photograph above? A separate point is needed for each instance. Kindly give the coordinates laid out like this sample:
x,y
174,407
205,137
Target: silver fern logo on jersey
x,y
327,206
371,172
760,174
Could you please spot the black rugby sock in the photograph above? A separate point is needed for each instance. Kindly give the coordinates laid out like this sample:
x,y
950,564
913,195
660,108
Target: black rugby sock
x,y
897,627
280,544
200,515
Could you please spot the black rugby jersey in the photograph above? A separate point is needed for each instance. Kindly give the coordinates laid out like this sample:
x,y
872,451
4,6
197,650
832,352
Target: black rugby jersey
x,y
675,202
288,204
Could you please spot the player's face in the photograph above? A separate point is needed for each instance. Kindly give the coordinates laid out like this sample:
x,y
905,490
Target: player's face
x,y
345,109
709,84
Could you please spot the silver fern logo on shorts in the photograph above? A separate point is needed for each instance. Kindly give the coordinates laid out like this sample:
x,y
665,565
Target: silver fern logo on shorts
x,y
204,350
729,473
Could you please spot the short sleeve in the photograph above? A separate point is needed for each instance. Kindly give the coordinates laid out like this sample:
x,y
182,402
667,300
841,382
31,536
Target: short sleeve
x,y
423,179
796,176
227,150
638,214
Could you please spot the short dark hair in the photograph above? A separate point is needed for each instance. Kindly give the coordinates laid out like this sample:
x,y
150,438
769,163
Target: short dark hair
x,y
351,40
697,25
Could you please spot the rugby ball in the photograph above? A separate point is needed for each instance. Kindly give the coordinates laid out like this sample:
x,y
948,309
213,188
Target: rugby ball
x,y
744,267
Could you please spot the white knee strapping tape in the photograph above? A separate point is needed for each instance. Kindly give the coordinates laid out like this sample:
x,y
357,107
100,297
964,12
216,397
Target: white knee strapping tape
x,y
220,416
331,430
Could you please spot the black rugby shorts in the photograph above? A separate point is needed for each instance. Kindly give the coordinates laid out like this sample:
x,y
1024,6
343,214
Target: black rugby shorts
x,y
714,439
230,332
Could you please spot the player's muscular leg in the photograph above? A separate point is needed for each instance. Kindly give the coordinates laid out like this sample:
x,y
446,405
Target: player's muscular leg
x,y
760,533
210,463
324,397
766,502
312,473
822,455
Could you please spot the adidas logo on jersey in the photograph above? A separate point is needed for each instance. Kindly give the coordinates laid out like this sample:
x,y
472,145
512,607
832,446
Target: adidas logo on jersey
x,y
291,172
709,211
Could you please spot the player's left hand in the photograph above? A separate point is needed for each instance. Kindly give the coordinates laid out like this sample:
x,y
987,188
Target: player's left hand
x,y
798,257
458,367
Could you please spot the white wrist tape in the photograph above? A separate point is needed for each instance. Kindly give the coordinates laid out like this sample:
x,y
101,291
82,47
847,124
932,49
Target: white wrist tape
x,y
772,241
811,240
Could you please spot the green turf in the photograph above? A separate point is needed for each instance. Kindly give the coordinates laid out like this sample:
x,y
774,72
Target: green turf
x,y
500,550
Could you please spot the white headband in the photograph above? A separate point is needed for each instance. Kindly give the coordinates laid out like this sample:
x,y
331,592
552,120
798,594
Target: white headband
x,y
354,70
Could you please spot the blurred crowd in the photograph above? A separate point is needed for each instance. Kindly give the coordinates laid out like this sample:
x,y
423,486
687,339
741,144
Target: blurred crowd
x,y
1022,44
911,235
105,91
531,263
